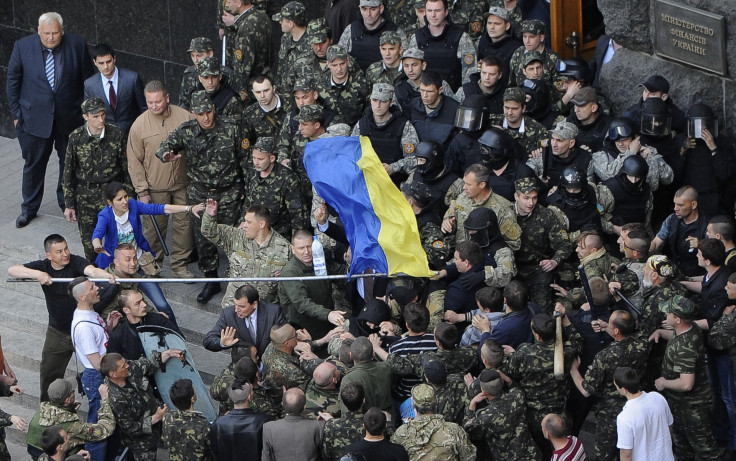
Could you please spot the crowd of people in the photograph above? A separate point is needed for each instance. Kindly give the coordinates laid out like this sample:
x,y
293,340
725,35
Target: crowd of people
x,y
563,283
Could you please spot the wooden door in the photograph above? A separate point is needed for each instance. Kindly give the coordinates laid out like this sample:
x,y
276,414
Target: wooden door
x,y
581,17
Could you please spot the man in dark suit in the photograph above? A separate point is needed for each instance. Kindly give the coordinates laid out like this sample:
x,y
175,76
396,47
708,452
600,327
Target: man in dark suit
x,y
46,75
121,89
247,318
604,50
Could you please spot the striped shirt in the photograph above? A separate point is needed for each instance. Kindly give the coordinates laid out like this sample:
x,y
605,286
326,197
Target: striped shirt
x,y
572,451
410,345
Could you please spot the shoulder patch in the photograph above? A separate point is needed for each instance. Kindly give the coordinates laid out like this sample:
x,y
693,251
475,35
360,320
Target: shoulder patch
x,y
409,148
243,95
245,143
239,55
476,27
469,59
438,244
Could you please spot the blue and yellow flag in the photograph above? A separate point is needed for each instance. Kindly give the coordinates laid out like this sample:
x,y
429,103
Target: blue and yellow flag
x,y
379,223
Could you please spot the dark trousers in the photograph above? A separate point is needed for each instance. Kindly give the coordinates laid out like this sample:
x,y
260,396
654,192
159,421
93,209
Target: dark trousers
x,y
57,351
36,153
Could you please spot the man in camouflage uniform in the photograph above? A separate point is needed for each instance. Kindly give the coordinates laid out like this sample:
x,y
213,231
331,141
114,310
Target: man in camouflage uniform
x,y
250,45
428,436
294,41
532,31
253,249
224,380
404,13
413,65
313,63
544,243
529,133
263,117
226,100
137,412
596,262
280,365
388,69
311,120
276,187
348,428
500,427
514,14
211,147
186,432
627,350
95,156
344,90
199,48
477,193
684,382
450,391
435,243
469,15
263,399
323,391
61,409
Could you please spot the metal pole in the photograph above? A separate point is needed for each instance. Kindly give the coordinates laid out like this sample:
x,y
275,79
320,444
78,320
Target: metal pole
x,y
158,234
212,279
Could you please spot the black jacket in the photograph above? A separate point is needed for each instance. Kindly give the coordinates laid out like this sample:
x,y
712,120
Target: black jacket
x,y
238,435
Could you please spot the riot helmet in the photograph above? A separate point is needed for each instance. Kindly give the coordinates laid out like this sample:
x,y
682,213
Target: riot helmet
x,y
576,69
572,178
496,148
701,116
471,113
619,128
481,226
352,457
433,155
537,97
637,167
656,119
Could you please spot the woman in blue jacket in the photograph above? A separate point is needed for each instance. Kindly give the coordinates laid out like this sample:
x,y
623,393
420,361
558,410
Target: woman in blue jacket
x,y
120,222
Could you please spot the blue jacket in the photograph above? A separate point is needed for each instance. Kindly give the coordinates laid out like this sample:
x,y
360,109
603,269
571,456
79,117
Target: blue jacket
x,y
513,329
107,228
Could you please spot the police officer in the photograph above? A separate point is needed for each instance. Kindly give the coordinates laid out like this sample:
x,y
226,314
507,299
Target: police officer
x,y
562,153
575,202
502,156
497,39
481,227
433,113
626,198
199,48
587,115
413,64
489,82
471,120
250,44
444,184
227,102
294,41
343,90
434,242
362,37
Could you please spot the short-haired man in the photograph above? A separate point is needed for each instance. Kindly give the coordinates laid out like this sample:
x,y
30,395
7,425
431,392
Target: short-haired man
x,y
375,377
294,41
157,182
514,327
323,390
564,153
524,129
199,48
59,263
226,100
263,117
413,65
449,50
312,125
388,69
241,430
347,428
588,116
362,37
375,446
248,321
490,82
55,444
294,436
567,447
532,31
281,366
186,432
345,90
433,113
498,40
121,89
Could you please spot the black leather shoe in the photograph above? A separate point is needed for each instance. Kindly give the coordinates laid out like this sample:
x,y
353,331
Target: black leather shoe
x,y
210,289
24,219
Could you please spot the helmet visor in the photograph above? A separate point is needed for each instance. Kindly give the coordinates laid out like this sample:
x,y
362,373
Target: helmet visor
x,y
468,119
695,126
620,132
656,125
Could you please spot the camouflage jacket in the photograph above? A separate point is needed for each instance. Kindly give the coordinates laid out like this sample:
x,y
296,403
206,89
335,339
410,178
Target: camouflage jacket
x,y
514,18
549,61
458,360
660,173
429,437
685,353
289,51
187,435
282,369
504,211
79,431
469,15
502,428
630,274
628,352
598,264
542,237
402,13
247,258
379,73
531,366
256,123
452,398
651,317
341,432
213,157
251,48
722,336
262,401
533,137
190,83
348,100
92,162
504,271
437,245
280,193
322,400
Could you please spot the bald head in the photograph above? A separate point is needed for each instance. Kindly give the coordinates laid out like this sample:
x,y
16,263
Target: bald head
x,y
280,334
553,426
294,401
324,374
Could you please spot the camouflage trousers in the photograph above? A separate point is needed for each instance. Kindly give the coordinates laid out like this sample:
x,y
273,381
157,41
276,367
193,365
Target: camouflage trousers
x,y
4,453
605,432
691,430
538,282
89,203
229,203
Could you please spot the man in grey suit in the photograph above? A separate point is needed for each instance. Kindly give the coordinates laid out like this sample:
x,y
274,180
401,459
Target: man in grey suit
x,y
121,89
294,437
238,323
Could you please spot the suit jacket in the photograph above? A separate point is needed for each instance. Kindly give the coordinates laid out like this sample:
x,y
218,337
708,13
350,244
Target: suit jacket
x,y
131,102
30,97
268,316
293,438
601,48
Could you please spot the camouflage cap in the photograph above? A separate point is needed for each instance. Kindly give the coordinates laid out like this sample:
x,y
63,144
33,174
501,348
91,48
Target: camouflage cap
x,y
200,44
423,395
585,95
661,265
531,56
532,26
92,105
515,94
266,144
317,31
564,130
420,4
337,129
336,52
201,102
391,37
370,3
415,53
525,185
417,191
208,67
499,11
305,84
60,389
292,10
680,306
434,369
310,113
383,92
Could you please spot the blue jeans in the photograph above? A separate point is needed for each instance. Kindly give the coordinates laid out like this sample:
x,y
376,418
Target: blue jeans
x,y
91,380
153,291
720,373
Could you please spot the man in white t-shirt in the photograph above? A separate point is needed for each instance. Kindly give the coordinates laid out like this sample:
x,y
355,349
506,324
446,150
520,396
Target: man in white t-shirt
x,y
643,425
89,336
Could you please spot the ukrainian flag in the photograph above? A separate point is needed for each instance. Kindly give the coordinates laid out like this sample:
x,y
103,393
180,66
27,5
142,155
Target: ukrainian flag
x,y
379,223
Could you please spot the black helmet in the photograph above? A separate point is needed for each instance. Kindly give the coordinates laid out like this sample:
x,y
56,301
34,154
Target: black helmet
x,y
619,128
635,166
471,112
576,69
656,119
572,177
403,288
537,103
481,226
352,457
496,147
701,116
433,153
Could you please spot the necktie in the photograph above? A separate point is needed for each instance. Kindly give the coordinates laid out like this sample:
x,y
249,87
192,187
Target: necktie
x,y
50,69
251,329
111,95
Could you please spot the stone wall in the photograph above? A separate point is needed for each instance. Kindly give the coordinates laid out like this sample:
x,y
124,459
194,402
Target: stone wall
x,y
630,24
